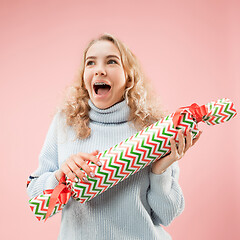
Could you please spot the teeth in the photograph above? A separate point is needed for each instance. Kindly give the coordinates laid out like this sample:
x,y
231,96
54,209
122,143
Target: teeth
x,y
99,83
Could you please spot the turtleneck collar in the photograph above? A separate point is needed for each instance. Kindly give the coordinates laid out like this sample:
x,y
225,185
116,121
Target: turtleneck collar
x,y
118,113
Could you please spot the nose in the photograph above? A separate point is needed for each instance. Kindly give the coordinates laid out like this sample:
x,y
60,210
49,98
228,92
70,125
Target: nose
x,y
100,71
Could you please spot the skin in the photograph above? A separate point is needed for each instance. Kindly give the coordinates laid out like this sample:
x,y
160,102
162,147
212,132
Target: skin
x,y
100,67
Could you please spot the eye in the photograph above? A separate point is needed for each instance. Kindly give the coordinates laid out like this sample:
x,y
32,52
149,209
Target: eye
x,y
89,62
111,60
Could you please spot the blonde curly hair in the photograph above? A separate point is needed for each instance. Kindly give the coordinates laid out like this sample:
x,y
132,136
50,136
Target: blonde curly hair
x,y
144,107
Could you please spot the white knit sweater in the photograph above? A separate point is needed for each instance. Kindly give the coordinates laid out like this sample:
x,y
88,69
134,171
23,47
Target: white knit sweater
x,y
133,209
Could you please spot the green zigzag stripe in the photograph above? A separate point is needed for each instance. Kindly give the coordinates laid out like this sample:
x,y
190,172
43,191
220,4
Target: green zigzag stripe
x,y
191,124
84,191
227,111
132,153
36,209
144,148
186,121
215,114
126,161
80,188
112,167
136,154
160,142
121,157
148,150
110,158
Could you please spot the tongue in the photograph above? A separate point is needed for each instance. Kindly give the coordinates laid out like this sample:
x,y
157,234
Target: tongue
x,y
102,91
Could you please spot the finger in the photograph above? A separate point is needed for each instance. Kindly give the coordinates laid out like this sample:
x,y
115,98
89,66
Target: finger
x,y
68,172
59,174
181,144
95,152
76,170
90,157
189,140
80,163
197,138
174,152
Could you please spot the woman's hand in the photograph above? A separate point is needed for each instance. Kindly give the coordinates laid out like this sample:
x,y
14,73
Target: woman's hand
x,y
71,167
176,154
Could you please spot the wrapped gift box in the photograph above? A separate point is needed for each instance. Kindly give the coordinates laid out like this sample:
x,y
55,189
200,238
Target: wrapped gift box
x,y
131,155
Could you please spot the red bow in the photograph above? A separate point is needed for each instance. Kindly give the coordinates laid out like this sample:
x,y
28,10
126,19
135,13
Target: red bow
x,y
60,194
196,111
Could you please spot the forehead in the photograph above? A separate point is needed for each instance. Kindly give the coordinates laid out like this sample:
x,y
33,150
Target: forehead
x,y
103,48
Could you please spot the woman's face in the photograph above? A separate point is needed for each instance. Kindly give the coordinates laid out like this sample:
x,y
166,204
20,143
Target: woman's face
x,y
104,76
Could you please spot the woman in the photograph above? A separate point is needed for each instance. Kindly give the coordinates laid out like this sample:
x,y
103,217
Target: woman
x,y
110,102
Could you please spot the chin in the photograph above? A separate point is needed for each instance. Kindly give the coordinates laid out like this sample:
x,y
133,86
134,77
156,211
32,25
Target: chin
x,y
102,105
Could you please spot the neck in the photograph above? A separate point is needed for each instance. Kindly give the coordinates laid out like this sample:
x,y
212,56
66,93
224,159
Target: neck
x,y
117,113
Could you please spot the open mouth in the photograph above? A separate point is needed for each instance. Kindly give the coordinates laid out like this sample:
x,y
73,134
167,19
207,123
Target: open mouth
x,y
101,88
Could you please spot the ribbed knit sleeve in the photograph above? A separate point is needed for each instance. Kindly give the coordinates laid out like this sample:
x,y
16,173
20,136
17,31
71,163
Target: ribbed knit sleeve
x,y
44,177
165,196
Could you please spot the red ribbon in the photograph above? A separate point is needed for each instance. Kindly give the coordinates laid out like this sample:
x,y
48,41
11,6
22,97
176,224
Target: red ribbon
x,y
60,194
196,111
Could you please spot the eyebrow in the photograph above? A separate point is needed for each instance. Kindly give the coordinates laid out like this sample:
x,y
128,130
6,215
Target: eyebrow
x,y
108,56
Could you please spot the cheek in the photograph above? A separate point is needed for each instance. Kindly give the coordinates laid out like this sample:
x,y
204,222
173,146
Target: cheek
x,y
123,80
86,78
120,77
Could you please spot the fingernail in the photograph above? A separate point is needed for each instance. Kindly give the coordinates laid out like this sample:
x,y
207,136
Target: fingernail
x,y
92,174
75,179
85,179
99,163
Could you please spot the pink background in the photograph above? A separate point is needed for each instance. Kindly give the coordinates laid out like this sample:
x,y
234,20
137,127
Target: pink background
x,y
190,50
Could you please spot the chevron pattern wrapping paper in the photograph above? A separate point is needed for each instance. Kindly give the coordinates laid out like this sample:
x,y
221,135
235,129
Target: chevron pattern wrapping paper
x,y
219,112
130,156
138,151
39,205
